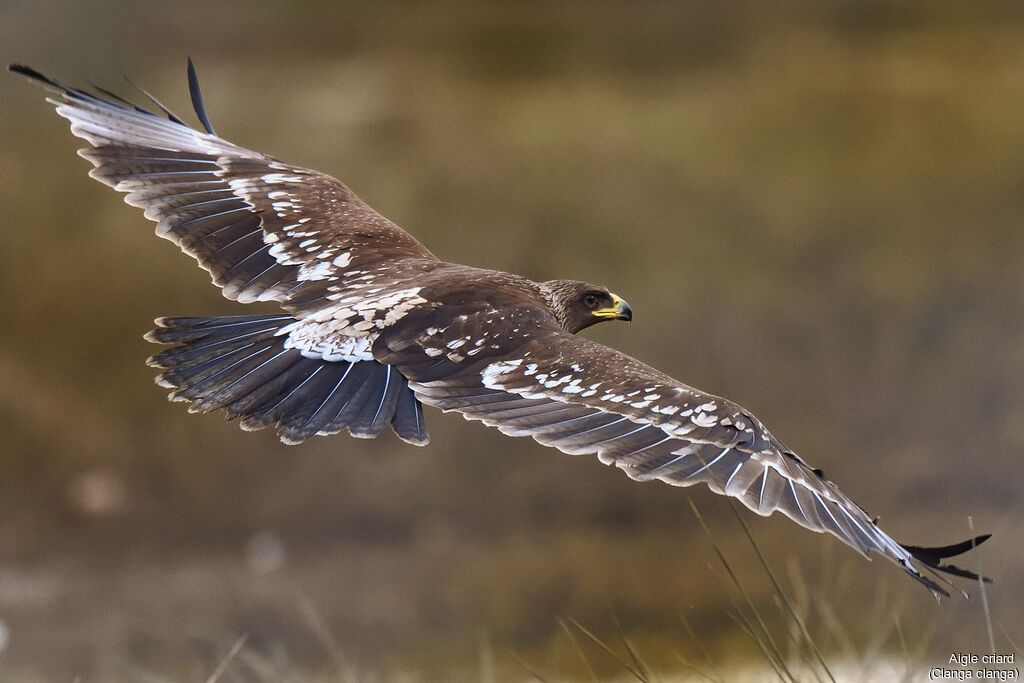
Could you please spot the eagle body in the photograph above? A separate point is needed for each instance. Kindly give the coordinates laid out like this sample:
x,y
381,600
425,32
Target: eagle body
x,y
373,326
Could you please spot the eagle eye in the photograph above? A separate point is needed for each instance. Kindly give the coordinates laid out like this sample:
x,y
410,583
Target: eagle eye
x,y
591,300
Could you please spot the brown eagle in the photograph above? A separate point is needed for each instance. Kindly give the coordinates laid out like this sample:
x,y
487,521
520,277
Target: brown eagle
x,y
375,326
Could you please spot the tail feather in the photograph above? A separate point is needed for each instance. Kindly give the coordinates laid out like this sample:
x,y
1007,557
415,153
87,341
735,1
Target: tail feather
x,y
408,419
220,372
179,330
379,406
326,396
245,404
344,394
271,411
246,380
239,364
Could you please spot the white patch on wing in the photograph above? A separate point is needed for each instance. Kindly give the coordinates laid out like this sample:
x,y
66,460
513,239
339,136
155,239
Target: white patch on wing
x,y
704,420
347,330
572,387
494,371
322,341
282,254
281,178
315,271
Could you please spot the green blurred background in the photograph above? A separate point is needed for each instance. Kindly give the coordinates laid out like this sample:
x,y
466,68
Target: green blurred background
x,y
815,209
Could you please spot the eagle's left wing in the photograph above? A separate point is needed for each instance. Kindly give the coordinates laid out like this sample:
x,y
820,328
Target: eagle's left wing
x,y
581,397
264,230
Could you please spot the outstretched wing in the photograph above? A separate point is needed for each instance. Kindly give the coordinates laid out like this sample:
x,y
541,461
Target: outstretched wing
x,y
583,398
263,229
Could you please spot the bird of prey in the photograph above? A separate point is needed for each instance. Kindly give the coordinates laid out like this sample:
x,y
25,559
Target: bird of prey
x,y
374,326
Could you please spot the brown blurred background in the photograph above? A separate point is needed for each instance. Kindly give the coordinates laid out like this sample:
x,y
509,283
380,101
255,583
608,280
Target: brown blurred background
x,y
814,209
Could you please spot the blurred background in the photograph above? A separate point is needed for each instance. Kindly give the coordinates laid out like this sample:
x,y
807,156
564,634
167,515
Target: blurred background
x,y
814,209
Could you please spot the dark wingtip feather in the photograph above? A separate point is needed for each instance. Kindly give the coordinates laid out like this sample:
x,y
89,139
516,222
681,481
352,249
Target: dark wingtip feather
x,y
167,112
34,75
197,98
23,70
118,98
932,557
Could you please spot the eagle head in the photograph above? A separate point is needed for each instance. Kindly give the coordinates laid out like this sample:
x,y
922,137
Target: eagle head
x,y
577,305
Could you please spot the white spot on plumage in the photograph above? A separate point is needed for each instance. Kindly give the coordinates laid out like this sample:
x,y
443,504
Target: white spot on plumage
x,y
313,343
704,420
343,259
682,429
358,317
572,387
494,371
279,178
281,253
317,271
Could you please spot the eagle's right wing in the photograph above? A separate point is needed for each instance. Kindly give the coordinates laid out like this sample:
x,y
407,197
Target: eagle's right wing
x,y
516,373
263,229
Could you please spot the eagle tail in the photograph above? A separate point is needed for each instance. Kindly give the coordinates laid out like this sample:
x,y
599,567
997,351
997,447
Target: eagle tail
x,y
239,364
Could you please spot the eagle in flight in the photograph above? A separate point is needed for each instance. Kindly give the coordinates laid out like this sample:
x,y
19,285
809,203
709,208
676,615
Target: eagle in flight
x,y
374,326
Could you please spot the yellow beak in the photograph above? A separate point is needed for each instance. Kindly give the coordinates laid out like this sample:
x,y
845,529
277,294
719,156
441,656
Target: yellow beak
x,y
619,310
